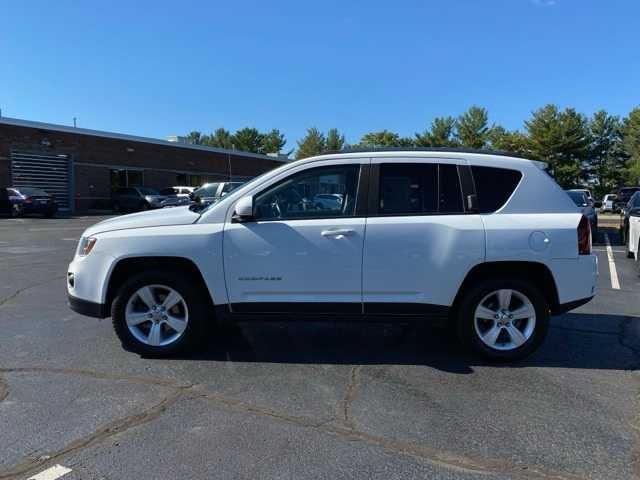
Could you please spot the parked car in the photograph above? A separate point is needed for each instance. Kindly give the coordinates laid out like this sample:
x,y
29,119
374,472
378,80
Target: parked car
x,y
488,243
586,192
33,200
623,196
586,207
175,196
329,201
212,192
628,219
136,198
608,202
8,206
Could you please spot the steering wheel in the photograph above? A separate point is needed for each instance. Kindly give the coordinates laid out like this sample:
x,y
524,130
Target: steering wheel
x,y
276,211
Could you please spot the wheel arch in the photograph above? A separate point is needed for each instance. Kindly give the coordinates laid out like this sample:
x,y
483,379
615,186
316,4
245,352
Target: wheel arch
x,y
128,266
535,272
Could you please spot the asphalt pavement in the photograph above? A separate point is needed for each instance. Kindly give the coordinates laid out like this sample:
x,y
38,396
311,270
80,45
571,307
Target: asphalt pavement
x,y
320,400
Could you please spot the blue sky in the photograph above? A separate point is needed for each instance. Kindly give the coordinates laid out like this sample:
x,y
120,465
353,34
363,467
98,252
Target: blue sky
x,y
157,68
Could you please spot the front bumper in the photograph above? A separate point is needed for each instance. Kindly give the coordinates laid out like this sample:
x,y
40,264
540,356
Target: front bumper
x,y
87,308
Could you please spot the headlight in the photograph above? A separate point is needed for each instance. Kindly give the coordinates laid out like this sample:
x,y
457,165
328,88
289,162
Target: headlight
x,y
86,245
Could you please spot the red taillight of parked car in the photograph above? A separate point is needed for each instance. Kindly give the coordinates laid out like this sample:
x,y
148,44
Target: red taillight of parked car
x,y
584,236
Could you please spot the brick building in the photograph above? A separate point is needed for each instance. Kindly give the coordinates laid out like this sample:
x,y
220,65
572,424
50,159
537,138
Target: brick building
x,y
82,167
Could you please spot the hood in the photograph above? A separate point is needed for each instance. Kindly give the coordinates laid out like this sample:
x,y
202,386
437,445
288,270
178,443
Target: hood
x,y
151,218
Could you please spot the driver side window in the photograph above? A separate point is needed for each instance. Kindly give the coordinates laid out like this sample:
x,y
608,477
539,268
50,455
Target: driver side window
x,y
315,193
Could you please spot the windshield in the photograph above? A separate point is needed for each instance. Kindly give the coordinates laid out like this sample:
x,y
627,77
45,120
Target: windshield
x,y
147,191
578,198
207,190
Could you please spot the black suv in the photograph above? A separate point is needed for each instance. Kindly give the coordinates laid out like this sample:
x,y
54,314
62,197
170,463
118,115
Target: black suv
x,y
136,198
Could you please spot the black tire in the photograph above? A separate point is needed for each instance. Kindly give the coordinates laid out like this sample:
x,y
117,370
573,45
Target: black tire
x,y
17,211
466,321
627,247
192,294
49,213
145,206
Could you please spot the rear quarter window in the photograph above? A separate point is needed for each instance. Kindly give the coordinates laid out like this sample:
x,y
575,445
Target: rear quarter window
x,y
494,186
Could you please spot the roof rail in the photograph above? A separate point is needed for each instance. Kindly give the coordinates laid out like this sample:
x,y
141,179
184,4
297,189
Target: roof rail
x,y
427,149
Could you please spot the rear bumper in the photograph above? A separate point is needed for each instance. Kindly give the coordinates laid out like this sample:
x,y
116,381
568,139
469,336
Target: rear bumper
x,y
87,308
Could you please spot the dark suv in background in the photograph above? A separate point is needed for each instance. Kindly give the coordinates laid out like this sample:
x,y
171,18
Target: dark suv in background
x,y
136,198
624,195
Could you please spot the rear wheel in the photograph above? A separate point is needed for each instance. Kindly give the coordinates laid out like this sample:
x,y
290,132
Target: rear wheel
x,y
503,319
158,314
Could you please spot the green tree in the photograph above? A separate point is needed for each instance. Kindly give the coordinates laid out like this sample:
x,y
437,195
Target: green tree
x,y
562,139
273,141
220,138
442,133
510,141
473,127
312,144
607,158
248,140
335,141
631,140
384,138
194,137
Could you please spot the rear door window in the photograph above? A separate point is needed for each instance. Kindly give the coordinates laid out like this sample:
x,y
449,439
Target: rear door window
x,y
494,186
450,193
419,189
408,188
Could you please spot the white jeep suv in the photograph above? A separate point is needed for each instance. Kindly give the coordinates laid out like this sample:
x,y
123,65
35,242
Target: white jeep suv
x,y
487,242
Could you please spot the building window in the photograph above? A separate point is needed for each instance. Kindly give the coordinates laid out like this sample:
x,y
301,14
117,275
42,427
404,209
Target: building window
x,y
182,179
123,177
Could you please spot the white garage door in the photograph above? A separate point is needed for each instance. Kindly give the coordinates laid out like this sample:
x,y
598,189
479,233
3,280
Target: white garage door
x,y
50,172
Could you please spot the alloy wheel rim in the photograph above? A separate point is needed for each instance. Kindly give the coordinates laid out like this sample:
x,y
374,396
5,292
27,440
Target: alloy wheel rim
x,y
156,315
505,319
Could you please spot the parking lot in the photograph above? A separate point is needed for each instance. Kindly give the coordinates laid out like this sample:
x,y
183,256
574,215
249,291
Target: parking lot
x,y
287,400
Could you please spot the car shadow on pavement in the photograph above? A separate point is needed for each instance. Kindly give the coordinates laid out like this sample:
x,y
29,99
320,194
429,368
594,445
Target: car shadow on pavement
x,y
575,340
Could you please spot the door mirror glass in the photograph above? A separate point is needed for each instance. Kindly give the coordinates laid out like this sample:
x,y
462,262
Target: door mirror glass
x,y
244,209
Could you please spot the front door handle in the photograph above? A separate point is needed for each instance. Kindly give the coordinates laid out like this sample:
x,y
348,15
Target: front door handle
x,y
338,232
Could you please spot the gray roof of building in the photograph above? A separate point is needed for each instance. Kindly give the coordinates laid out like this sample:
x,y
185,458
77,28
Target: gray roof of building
x,y
130,138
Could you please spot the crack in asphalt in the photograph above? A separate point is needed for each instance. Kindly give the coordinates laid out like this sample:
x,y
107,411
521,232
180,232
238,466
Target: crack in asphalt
x,y
117,426
344,410
345,429
23,289
4,388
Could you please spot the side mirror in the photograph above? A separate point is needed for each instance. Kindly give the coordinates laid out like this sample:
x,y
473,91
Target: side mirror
x,y
598,204
243,210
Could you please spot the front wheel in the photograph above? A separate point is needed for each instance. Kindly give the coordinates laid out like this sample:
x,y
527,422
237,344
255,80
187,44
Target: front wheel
x,y
503,319
157,314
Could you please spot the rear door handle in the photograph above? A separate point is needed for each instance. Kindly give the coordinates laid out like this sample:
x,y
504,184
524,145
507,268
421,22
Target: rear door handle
x,y
337,232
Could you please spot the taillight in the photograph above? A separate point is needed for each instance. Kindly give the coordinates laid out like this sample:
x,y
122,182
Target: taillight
x,y
27,200
584,236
